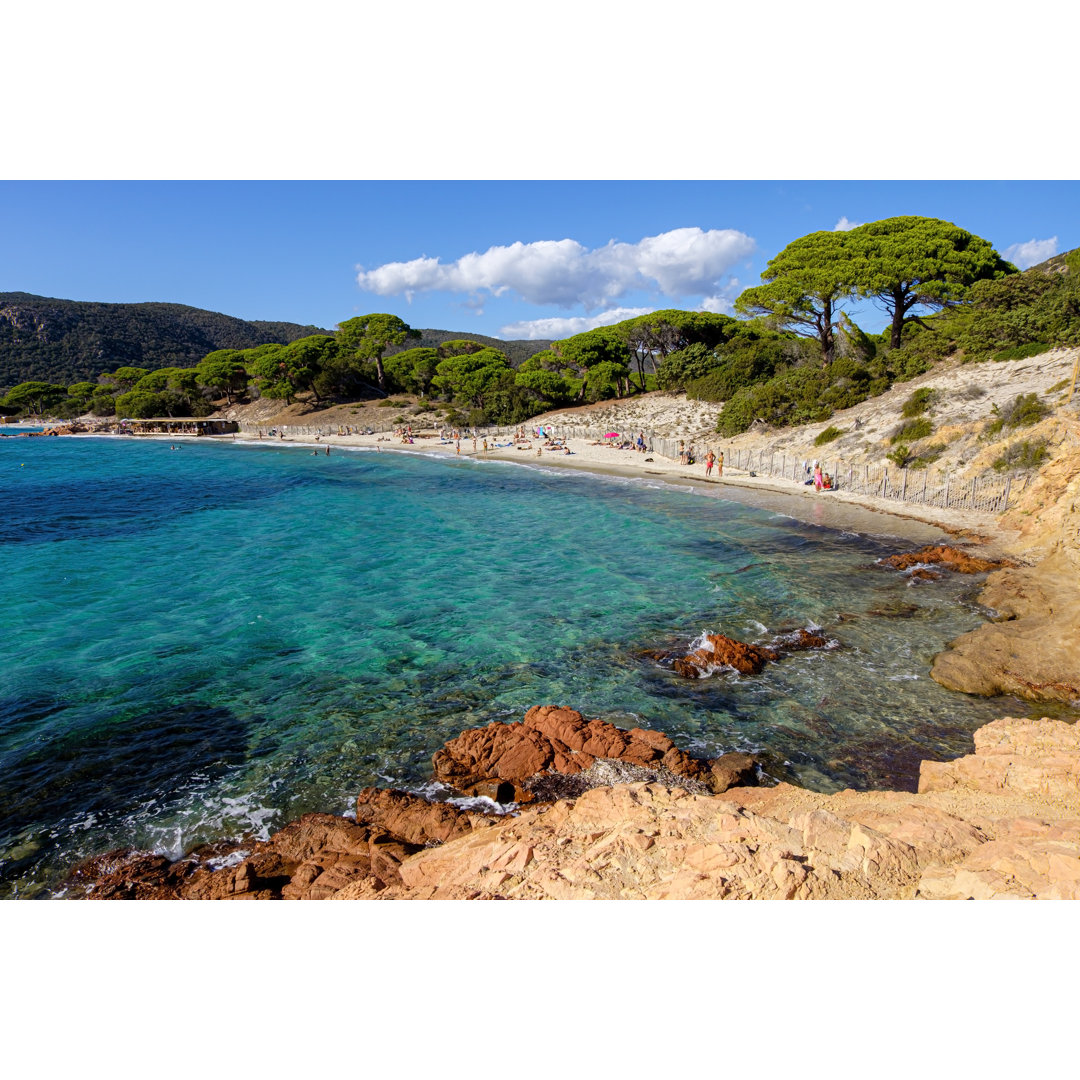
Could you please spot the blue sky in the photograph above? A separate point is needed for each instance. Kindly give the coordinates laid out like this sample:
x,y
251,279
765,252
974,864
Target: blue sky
x,y
561,171
553,257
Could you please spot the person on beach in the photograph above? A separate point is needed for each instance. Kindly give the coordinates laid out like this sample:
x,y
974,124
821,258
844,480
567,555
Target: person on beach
x,y
710,460
719,464
485,446
819,480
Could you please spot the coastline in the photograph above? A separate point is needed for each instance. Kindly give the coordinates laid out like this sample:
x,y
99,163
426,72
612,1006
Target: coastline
x,y
838,510
420,872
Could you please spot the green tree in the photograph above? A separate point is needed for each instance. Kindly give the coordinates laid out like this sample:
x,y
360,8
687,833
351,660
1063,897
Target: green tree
x,y
470,377
544,385
306,357
178,389
103,403
35,397
277,372
81,395
659,333
910,263
367,337
607,380
805,286
412,370
684,365
583,352
124,378
223,372
139,404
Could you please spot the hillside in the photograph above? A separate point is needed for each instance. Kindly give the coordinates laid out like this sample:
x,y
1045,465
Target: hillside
x,y
65,341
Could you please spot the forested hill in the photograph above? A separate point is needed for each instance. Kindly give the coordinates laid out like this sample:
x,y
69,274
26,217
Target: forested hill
x,y
514,351
66,341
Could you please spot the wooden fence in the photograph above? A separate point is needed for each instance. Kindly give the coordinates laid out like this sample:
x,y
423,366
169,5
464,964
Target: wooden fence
x,y
988,492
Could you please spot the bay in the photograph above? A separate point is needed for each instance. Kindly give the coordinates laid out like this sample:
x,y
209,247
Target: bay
x,y
205,643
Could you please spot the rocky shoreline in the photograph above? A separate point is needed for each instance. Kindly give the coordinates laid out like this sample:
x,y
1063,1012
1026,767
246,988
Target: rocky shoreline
x,y
560,806
641,819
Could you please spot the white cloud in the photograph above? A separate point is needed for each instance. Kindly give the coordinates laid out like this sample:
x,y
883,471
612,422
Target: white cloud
x,y
681,262
1031,252
723,303
557,328
843,225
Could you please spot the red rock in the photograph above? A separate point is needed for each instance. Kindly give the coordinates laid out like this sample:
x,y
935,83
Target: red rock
x,y
942,554
920,574
413,819
732,770
721,651
572,745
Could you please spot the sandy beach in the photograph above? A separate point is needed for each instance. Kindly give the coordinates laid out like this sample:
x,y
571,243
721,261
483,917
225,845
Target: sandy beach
x,y
834,509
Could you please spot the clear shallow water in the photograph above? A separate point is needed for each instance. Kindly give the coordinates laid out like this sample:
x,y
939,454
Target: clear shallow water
x,y
207,643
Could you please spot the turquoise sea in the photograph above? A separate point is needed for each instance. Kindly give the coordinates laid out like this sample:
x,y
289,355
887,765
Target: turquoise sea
x,y
204,643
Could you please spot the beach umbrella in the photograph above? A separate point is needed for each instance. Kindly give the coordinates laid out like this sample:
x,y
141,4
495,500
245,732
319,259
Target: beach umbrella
x,y
612,435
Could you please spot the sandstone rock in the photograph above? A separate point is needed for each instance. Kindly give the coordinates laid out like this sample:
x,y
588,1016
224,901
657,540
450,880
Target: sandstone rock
x,y
731,770
413,819
941,554
1033,651
1034,757
555,740
721,651
311,858
718,651
920,574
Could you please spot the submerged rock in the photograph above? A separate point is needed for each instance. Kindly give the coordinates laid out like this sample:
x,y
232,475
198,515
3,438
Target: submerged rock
x,y
718,651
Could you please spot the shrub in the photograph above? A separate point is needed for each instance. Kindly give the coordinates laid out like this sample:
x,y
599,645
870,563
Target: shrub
x,y
1057,386
919,402
1026,454
924,346
1026,410
1021,352
970,393
927,456
685,365
900,456
737,368
828,435
912,430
